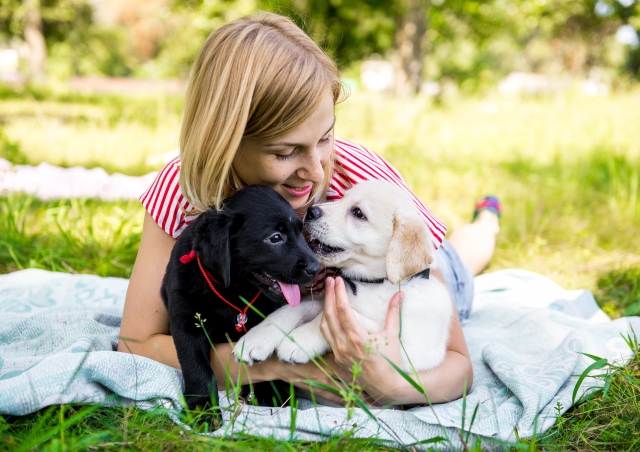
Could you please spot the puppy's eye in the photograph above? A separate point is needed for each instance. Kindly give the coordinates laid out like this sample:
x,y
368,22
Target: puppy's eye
x,y
275,238
358,213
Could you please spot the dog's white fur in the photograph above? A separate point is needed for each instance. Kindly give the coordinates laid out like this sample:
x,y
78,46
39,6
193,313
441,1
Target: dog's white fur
x,y
393,242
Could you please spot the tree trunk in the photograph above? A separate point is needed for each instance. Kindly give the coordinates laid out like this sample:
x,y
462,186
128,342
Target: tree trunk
x,y
35,41
409,47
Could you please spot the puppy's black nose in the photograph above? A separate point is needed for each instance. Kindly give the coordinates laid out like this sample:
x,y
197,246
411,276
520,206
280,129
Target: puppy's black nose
x,y
311,269
313,213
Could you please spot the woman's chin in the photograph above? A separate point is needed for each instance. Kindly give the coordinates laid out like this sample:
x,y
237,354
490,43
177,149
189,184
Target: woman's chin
x,y
298,203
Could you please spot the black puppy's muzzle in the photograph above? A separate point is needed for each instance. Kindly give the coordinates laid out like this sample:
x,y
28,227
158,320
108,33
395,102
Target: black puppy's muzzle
x,y
313,213
307,261
311,266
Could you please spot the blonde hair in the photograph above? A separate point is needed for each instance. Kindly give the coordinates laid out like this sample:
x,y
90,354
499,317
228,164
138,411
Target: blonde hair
x,y
259,76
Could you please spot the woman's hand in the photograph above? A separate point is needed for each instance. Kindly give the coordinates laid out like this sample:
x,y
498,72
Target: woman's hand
x,y
352,344
349,341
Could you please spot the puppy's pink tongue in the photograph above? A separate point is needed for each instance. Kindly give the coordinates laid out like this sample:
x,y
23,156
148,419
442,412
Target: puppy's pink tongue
x,y
291,292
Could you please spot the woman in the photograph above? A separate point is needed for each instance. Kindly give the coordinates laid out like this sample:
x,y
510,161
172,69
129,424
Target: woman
x,y
259,109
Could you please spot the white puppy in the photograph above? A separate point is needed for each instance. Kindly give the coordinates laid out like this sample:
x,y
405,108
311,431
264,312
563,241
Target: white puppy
x,y
379,243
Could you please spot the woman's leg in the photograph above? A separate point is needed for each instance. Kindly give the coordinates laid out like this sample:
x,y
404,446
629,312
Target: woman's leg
x,y
475,242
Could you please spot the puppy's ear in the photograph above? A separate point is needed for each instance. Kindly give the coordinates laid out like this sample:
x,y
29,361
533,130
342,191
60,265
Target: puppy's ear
x,y
211,243
410,249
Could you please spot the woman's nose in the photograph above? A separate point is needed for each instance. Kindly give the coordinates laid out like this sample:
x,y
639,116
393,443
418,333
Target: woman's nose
x,y
312,168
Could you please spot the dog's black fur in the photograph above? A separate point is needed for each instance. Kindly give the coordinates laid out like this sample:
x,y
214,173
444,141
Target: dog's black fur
x,y
256,232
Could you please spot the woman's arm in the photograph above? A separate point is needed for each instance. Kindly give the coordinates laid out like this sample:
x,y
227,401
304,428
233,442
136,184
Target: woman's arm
x,y
145,322
145,325
350,343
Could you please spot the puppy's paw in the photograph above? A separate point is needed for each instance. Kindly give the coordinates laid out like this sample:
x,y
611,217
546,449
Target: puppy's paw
x,y
253,348
198,403
202,414
293,352
308,342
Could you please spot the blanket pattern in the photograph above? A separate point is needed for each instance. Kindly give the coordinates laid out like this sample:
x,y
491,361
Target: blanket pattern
x,y
59,333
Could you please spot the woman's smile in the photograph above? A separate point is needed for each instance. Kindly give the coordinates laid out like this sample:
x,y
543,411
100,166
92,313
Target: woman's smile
x,y
298,191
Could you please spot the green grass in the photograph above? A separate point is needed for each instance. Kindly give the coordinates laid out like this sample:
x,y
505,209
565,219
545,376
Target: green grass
x,y
566,168
79,428
607,419
619,291
117,133
77,236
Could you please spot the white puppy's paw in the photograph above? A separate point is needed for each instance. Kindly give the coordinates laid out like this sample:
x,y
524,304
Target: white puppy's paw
x,y
292,352
307,345
254,347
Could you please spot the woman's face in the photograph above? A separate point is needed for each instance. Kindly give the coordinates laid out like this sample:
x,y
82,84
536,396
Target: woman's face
x,y
291,164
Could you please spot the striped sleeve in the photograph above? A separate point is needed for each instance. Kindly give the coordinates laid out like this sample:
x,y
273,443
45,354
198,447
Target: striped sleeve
x,y
354,164
164,200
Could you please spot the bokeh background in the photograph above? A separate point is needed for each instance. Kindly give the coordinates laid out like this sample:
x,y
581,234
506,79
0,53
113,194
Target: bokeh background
x,y
470,44
535,101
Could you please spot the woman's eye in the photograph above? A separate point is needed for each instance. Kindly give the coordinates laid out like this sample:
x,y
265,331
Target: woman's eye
x,y
358,213
284,156
326,140
275,238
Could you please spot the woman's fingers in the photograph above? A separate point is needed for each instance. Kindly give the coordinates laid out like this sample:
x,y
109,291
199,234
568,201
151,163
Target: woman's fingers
x,y
329,325
347,338
348,320
392,322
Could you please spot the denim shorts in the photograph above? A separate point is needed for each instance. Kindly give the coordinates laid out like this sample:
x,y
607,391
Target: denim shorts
x,y
458,277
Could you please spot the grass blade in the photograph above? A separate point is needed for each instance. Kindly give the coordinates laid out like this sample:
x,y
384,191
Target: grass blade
x,y
593,357
597,365
406,376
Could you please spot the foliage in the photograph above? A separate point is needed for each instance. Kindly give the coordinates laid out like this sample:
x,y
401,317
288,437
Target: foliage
x,y
619,291
477,40
73,428
607,418
149,110
10,150
62,19
474,43
100,50
68,122
349,31
480,41
77,45
77,236
191,22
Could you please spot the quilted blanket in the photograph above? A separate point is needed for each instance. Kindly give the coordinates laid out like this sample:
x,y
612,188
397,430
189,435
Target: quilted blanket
x,y
58,333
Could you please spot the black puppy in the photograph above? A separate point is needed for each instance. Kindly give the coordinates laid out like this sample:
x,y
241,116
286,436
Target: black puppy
x,y
253,247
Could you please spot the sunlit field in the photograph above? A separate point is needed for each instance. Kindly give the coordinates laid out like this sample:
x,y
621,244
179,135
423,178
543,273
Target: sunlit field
x,y
567,169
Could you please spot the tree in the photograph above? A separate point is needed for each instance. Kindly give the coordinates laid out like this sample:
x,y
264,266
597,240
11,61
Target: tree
x,y
348,30
41,22
35,40
351,31
410,48
190,24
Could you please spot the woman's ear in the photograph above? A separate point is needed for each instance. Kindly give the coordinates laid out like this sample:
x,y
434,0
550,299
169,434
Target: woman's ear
x,y
211,244
410,249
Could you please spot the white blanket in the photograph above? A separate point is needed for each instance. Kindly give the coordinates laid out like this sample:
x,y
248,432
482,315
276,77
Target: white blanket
x,y
47,181
58,333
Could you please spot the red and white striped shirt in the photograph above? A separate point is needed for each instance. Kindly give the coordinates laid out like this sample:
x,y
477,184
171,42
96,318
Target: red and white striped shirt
x,y
352,164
